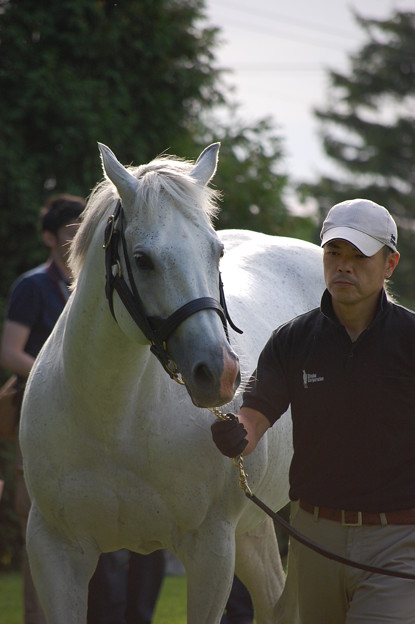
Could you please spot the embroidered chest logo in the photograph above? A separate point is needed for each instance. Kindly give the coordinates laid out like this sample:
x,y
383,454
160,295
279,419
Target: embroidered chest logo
x,y
310,378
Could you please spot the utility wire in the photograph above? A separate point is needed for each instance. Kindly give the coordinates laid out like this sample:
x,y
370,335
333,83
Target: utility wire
x,y
284,35
277,17
271,67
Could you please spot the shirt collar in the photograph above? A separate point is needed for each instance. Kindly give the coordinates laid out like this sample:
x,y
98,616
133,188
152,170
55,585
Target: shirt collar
x,y
57,274
326,306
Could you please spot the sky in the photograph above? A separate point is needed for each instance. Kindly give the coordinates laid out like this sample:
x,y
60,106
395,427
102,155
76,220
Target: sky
x,y
279,54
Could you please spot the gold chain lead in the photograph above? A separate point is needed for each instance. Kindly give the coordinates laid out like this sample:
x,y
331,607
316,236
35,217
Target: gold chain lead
x,y
237,461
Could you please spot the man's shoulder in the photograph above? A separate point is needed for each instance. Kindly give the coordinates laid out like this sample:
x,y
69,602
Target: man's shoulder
x,y
401,313
301,320
34,280
301,327
37,274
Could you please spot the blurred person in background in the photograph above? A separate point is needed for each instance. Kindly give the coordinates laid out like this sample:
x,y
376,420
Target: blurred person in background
x,y
36,300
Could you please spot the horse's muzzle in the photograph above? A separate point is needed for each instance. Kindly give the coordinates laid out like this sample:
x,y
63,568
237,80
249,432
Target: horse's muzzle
x,y
212,386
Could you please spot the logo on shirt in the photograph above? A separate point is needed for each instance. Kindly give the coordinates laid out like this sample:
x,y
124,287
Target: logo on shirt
x,y
310,378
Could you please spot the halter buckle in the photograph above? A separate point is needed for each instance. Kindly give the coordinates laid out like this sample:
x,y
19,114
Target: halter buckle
x,y
109,231
174,373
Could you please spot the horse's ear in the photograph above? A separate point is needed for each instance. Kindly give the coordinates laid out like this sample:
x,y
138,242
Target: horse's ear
x,y
116,172
205,166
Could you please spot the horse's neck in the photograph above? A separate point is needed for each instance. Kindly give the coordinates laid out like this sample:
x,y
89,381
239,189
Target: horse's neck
x,y
95,348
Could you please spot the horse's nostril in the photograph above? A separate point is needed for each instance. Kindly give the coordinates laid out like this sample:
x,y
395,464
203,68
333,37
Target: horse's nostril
x,y
203,376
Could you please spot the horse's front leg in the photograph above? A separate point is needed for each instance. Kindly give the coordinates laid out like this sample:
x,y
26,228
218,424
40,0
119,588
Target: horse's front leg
x,y
258,565
208,557
61,569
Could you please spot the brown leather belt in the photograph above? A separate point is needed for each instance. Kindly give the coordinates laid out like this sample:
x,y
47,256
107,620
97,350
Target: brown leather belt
x,y
358,518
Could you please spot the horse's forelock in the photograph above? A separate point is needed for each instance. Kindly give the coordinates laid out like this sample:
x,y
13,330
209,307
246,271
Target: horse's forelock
x,y
175,182
165,175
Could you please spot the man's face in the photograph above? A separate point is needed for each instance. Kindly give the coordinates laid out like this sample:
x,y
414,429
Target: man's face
x,y
63,238
352,277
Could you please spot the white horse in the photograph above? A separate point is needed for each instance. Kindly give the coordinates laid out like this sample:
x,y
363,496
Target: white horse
x,y
119,455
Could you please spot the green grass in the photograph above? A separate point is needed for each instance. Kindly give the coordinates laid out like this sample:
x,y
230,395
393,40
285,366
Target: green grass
x,y
11,598
171,606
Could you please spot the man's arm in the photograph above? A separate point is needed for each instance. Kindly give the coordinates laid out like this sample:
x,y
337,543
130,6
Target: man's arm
x,y
255,424
12,353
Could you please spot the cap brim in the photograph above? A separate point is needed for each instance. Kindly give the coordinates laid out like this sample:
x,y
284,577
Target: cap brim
x,y
368,245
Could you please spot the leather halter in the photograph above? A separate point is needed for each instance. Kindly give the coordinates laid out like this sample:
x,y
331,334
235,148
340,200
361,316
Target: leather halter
x,y
156,330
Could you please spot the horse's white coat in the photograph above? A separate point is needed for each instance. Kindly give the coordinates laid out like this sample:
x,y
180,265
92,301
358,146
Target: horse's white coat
x,y
116,454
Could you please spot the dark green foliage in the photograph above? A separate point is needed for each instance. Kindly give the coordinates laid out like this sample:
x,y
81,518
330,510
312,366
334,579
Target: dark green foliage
x,y
253,181
249,178
368,129
134,75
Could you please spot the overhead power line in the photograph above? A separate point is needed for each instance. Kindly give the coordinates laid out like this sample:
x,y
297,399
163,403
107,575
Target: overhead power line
x,y
275,32
312,27
270,67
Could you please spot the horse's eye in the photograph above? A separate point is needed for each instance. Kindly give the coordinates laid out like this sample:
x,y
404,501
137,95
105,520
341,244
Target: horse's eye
x,y
222,252
143,261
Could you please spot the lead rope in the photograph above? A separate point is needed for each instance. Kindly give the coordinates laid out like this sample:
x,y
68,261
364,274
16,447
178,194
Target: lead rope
x,y
238,462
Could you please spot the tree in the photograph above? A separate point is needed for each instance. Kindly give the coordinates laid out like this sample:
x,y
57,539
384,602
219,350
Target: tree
x,y
252,178
134,75
368,129
249,176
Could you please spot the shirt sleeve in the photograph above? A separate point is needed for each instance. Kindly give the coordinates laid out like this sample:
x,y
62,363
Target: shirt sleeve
x,y
267,389
24,303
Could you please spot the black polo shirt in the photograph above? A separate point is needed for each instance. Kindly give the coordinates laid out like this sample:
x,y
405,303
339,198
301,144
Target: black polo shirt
x,y
352,406
36,300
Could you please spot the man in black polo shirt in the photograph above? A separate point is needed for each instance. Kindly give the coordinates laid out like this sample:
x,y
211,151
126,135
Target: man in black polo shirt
x,y
347,371
36,300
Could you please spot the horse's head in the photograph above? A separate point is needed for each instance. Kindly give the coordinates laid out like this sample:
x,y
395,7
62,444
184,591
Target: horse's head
x,y
163,264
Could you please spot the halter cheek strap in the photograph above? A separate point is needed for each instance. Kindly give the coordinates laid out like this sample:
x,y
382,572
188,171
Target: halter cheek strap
x,y
156,330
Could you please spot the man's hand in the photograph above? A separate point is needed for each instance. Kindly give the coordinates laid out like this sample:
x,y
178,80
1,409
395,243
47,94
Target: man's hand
x,y
229,436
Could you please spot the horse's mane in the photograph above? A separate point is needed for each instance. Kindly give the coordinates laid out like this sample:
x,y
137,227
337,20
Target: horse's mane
x,y
163,176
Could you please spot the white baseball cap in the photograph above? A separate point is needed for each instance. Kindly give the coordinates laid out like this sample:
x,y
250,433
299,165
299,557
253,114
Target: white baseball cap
x,y
363,223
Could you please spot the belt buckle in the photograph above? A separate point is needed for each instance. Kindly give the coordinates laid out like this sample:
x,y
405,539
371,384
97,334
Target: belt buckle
x,y
351,524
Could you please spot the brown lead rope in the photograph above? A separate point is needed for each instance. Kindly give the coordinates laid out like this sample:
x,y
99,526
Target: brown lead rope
x,y
243,484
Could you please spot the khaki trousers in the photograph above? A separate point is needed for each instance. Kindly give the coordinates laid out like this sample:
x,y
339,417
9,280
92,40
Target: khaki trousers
x,y
331,593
